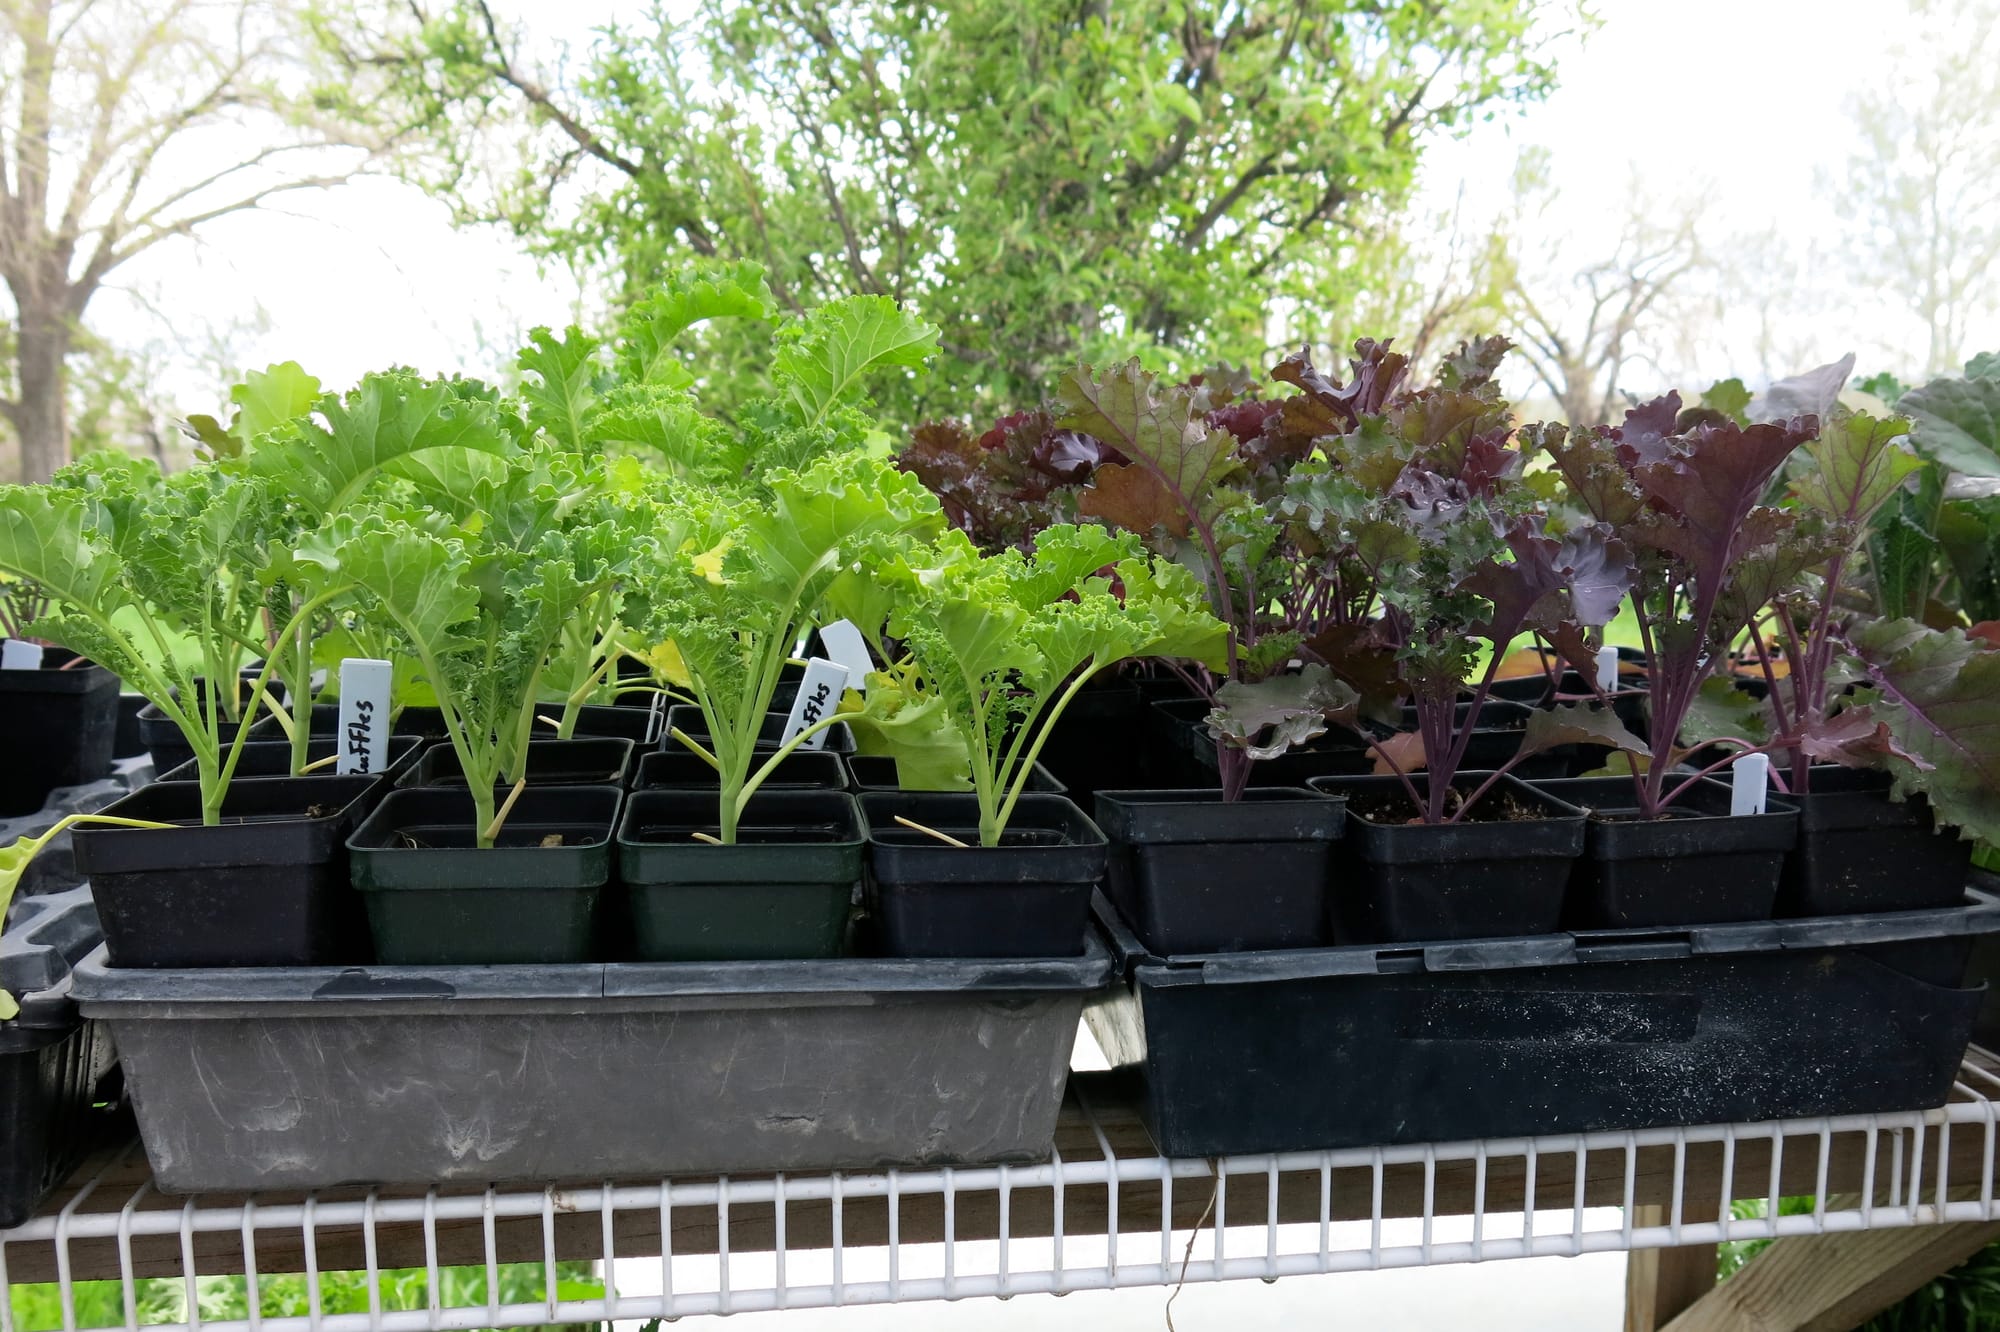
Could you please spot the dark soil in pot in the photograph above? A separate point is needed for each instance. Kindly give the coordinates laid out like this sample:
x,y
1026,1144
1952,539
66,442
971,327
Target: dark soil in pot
x,y
687,718
65,718
437,898
1502,870
786,889
601,761
1193,874
273,758
1858,850
878,772
810,770
1027,897
1697,866
268,886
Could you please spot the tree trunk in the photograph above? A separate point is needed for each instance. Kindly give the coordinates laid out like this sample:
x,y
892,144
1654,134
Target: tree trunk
x,y
42,416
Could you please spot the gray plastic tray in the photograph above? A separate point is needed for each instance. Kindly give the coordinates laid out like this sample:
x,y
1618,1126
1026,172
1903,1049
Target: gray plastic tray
x,y
265,1078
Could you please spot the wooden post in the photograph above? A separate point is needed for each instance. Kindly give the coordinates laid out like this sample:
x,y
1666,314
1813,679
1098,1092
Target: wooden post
x,y
1831,1283
1660,1283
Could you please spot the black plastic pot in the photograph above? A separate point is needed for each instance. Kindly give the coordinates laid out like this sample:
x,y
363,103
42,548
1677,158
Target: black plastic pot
x,y
1698,866
1196,875
601,761
1628,699
687,717
322,722
877,772
127,743
54,1066
65,719
273,758
427,722
639,725
169,748
1715,1024
1088,748
1858,850
266,887
785,890
800,770
1396,881
1027,897
1496,739
436,898
1187,752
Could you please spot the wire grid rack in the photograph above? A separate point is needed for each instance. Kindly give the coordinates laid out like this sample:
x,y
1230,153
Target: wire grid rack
x,y
1104,1212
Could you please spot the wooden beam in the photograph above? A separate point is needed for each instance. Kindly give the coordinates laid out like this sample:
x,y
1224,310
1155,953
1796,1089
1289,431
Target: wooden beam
x,y
1660,1283
1831,1283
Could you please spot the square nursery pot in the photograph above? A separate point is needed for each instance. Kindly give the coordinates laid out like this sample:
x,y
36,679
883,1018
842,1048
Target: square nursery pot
x,y
1503,874
1496,739
169,748
1027,897
786,889
807,770
316,1077
1858,850
273,758
1185,752
687,717
640,725
1697,866
265,887
878,772
53,1063
1193,874
126,743
427,722
66,719
1089,748
1367,1045
437,898
598,761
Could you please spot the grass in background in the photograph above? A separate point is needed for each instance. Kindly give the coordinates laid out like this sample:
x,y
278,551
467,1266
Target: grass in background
x,y
165,1299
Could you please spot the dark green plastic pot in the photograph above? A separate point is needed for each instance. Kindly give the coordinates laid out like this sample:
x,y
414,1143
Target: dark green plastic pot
x,y
437,899
784,890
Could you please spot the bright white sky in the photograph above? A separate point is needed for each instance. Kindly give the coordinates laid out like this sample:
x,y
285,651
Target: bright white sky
x,y
1737,100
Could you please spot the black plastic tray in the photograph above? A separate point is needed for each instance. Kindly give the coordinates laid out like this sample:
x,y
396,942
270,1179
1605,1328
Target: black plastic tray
x,y
53,1064
1563,1033
273,758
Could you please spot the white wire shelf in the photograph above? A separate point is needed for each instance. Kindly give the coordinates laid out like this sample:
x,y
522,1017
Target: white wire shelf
x,y
1104,1212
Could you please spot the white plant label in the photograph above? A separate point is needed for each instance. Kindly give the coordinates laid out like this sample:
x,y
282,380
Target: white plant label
x,y
819,697
1607,669
16,655
364,715
845,645
1752,774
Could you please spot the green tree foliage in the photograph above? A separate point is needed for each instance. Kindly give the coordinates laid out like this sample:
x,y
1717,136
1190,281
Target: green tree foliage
x,y
1044,180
